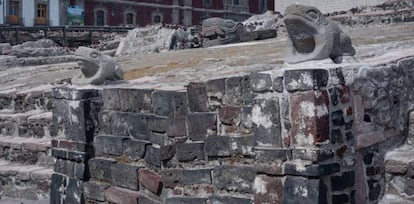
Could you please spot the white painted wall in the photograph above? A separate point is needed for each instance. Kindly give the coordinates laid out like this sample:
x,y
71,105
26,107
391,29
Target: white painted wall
x,y
327,6
54,12
28,12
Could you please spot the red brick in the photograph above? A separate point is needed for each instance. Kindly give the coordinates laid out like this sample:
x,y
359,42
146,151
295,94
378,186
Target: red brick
x,y
348,110
344,94
310,118
55,143
150,180
341,151
121,195
268,190
70,145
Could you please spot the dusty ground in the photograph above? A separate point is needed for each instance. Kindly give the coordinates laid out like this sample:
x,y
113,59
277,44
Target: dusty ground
x,y
197,64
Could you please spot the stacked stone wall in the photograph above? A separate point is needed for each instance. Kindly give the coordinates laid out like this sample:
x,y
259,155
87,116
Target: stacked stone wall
x,y
297,135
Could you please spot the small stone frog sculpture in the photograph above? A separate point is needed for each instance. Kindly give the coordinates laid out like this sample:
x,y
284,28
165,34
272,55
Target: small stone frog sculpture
x,y
96,68
314,37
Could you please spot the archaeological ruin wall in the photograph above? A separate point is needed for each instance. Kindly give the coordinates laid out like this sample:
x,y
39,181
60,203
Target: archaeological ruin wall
x,y
312,133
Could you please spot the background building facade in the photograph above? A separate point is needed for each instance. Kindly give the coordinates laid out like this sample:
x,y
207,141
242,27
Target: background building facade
x,y
30,12
327,6
184,12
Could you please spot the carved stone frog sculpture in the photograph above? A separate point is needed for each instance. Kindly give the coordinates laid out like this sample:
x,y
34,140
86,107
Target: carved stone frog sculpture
x,y
314,37
96,68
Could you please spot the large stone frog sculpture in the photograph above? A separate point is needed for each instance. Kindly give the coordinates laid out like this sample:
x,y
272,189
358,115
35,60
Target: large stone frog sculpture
x,y
213,28
314,37
96,68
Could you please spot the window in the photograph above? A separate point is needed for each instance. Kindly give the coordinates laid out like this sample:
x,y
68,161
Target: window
x,y
41,10
129,19
157,19
100,18
235,2
14,8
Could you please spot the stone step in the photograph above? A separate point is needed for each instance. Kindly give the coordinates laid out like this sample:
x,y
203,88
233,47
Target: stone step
x,y
22,99
33,151
399,168
34,123
394,199
30,182
400,161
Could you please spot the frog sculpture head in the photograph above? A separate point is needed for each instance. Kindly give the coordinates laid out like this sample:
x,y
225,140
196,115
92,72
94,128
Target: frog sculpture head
x,y
314,37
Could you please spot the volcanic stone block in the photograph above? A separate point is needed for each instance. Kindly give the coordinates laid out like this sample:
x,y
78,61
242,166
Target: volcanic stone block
x,y
201,125
177,127
79,171
234,178
305,79
150,180
185,200
266,120
230,115
172,177
189,151
310,118
170,103
268,189
55,188
338,118
158,124
375,189
125,176
94,190
121,196
197,97
346,180
134,149
268,155
76,129
59,153
236,91
99,169
260,82
298,169
73,192
303,190
74,93
337,136
229,200
218,146
340,199
314,155
109,145
278,84
135,100
215,90
235,119
153,156
111,99
77,156
130,124
244,144
65,167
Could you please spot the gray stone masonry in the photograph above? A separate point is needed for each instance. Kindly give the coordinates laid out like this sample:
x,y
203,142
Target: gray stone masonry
x,y
311,133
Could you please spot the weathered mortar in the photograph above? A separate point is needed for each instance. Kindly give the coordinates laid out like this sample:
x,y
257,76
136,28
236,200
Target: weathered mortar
x,y
312,133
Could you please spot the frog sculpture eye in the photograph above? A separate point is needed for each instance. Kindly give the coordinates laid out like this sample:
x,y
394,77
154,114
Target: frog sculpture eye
x,y
94,55
313,14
